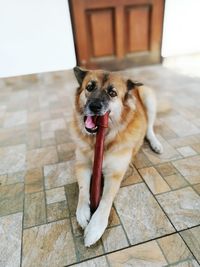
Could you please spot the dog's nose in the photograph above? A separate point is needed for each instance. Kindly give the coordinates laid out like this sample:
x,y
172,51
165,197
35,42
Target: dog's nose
x,y
95,106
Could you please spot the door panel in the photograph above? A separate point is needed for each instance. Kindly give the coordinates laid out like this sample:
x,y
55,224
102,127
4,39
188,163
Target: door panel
x,y
138,28
102,32
117,34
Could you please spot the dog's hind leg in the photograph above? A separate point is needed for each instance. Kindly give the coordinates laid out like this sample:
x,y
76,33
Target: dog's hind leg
x,y
149,100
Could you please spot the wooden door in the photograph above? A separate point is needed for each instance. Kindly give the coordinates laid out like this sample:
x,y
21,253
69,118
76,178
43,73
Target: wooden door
x,y
116,34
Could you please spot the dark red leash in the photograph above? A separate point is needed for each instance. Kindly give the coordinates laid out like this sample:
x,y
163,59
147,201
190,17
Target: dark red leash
x,y
96,180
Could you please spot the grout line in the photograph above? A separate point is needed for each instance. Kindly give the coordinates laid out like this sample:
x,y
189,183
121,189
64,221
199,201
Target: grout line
x,y
121,249
180,261
159,203
12,213
45,199
108,263
176,231
47,222
22,234
182,230
172,190
72,230
2,185
198,193
188,247
122,225
140,182
162,250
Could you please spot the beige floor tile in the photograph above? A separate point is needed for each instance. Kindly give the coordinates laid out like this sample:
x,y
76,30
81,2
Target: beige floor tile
x,y
66,151
187,263
11,198
48,138
146,255
41,156
174,248
84,253
6,136
182,207
135,204
164,131
57,211
169,153
10,245
34,180
192,238
12,178
13,119
48,142
62,136
3,179
181,126
15,177
184,141
166,169
141,160
131,176
113,218
48,245
52,125
33,139
97,262
59,174
47,135
55,195
72,197
114,238
34,209
186,151
12,159
38,116
189,168
176,181
77,230
153,179
196,147
197,188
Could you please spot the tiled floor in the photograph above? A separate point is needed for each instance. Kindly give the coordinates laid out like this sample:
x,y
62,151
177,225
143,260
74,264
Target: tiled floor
x,y
155,220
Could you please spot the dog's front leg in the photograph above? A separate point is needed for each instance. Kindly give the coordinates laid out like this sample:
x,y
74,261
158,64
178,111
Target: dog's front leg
x,y
83,175
99,220
113,176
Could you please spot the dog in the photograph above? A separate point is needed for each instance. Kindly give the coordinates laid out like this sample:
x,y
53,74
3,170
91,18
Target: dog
x,y
132,112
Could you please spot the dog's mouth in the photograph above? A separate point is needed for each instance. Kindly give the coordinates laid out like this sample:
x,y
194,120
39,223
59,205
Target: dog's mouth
x,y
91,124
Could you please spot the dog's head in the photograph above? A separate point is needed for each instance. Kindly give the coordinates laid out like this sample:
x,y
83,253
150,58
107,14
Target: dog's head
x,y
100,92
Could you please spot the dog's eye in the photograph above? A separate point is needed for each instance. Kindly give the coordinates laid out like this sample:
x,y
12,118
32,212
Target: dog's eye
x,y
91,86
112,93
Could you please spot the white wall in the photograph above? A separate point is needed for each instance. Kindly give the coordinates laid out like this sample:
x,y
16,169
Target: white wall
x,y
181,27
35,36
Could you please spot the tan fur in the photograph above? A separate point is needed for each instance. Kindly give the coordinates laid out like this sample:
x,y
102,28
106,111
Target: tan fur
x,y
124,138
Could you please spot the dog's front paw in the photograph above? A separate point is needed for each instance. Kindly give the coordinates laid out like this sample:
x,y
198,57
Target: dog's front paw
x,y
95,229
83,214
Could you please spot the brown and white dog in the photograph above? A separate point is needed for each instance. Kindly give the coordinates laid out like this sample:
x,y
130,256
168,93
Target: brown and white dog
x,y
132,109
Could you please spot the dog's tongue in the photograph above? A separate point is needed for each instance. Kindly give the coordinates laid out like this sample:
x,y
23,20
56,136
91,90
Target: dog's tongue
x,y
90,122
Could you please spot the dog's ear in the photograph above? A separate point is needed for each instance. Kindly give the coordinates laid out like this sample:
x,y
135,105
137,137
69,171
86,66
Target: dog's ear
x,y
132,84
80,74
